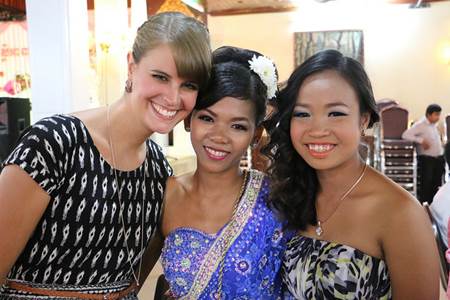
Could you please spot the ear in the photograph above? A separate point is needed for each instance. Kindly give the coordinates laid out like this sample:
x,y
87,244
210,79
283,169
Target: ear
x,y
187,123
364,120
131,64
257,136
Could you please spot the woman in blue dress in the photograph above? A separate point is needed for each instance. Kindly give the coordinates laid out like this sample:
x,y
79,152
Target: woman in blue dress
x,y
221,239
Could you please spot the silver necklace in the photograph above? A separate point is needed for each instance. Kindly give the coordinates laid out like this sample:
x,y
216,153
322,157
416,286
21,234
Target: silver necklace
x,y
111,147
319,228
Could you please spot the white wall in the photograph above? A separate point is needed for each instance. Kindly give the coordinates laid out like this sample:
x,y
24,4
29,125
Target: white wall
x,y
403,47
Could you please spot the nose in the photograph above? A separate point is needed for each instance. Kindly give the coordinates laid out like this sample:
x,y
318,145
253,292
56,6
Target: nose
x,y
172,96
218,134
319,128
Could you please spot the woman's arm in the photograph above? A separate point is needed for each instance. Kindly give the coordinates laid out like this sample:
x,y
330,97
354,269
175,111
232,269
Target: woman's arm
x,y
410,251
22,204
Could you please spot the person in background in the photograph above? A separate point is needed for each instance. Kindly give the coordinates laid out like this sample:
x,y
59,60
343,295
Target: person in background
x,y
81,194
222,241
430,162
359,235
440,208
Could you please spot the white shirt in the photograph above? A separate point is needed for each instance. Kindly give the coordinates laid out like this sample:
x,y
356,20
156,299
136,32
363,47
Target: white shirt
x,y
424,130
440,208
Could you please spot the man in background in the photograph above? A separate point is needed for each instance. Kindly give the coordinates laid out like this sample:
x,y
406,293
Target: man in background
x,y
430,161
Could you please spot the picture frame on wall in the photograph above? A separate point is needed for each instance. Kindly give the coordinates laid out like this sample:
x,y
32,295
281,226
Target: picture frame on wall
x,y
349,42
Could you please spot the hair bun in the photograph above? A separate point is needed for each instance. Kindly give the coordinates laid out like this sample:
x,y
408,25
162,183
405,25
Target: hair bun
x,y
233,54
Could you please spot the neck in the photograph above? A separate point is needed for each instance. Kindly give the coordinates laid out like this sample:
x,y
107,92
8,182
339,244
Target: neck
x,y
126,129
214,184
338,180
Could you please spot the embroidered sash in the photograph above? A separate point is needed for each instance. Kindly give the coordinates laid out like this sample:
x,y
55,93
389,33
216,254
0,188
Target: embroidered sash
x,y
229,233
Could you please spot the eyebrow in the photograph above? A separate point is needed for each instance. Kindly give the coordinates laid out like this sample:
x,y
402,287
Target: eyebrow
x,y
233,119
331,104
161,72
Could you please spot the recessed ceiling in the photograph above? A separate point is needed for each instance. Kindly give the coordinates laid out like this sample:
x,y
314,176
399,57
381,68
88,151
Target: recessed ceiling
x,y
215,7
230,7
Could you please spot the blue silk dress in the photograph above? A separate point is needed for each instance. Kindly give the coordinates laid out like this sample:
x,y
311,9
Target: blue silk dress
x,y
253,243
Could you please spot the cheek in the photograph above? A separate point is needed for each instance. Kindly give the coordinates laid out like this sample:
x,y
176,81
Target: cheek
x,y
350,136
296,132
196,141
189,101
195,132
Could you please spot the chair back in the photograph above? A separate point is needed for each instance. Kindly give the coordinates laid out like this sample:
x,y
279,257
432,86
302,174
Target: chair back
x,y
444,266
394,121
384,103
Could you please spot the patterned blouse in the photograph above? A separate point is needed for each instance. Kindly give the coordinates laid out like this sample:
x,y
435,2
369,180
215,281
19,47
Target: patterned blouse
x,y
251,270
80,242
316,269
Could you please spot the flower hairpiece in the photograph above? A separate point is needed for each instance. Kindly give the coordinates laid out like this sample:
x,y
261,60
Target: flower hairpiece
x,y
265,69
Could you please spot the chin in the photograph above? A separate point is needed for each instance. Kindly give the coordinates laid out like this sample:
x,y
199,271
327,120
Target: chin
x,y
163,130
320,164
161,127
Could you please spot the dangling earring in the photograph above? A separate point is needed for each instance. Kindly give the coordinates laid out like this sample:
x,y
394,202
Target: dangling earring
x,y
363,133
128,86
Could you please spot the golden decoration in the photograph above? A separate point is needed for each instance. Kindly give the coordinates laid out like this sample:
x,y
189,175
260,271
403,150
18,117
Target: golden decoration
x,y
175,5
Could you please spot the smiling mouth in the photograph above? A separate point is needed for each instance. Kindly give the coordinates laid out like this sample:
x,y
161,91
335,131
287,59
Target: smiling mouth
x,y
215,154
320,150
165,113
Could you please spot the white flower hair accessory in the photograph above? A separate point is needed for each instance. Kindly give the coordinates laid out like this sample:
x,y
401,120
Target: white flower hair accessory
x,y
265,69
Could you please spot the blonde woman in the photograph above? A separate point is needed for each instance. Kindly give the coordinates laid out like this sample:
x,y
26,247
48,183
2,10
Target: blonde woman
x,y
81,194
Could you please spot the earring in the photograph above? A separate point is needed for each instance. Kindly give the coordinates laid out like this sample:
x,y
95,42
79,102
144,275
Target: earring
x,y
128,86
363,133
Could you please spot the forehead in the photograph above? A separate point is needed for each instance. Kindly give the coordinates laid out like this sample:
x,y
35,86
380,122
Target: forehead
x,y
160,58
230,107
326,87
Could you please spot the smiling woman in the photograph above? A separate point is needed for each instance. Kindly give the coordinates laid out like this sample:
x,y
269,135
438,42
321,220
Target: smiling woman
x,y
91,183
360,236
221,239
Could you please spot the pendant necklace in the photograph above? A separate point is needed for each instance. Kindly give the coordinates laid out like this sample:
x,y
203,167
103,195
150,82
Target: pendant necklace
x,y
142,226
319,228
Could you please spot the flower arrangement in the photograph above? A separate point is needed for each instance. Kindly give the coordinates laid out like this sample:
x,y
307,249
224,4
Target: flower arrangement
x,y
265,69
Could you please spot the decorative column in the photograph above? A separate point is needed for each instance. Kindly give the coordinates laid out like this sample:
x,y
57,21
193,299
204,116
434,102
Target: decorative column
x,y
59,56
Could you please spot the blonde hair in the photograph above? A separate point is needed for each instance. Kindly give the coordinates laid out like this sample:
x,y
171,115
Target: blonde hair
x,y
187,38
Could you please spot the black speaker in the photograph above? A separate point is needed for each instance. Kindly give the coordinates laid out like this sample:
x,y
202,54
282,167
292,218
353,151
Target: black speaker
x,y
14,119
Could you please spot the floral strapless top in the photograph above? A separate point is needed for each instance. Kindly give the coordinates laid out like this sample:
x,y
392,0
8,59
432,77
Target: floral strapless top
x,y
316,269
252,261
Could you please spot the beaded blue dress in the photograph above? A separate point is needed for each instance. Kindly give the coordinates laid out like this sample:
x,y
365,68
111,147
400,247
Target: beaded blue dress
x,y
252,245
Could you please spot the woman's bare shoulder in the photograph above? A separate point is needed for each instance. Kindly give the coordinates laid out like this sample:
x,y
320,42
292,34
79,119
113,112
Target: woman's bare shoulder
x,y
393,201
177,187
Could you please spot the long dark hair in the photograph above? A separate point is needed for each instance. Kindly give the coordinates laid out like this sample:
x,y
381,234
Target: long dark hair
x,y
231,77
294,182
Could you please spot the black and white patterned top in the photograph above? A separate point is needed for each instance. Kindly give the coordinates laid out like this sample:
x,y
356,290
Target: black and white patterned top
x,y
317,269
80,242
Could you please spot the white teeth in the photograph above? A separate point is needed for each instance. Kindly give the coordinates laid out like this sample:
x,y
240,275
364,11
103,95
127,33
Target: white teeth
x,y
215,152
320,147
166,113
